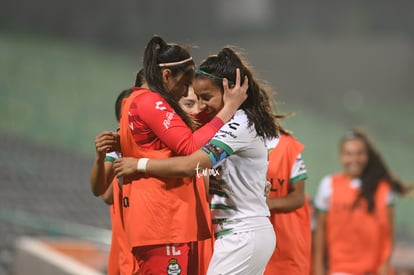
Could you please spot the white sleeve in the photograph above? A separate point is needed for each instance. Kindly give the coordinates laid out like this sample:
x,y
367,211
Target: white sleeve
x,y
323,196
298,171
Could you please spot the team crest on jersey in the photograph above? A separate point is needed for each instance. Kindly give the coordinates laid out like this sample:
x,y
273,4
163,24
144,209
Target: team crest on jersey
x,y
173,267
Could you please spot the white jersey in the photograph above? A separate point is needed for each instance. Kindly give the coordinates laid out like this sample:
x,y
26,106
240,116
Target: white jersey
x,y
238,179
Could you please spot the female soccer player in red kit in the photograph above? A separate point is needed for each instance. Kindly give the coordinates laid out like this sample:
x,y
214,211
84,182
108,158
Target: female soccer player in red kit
x,y
162,216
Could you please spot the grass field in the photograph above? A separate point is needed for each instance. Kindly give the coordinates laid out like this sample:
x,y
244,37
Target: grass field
x,y
62,94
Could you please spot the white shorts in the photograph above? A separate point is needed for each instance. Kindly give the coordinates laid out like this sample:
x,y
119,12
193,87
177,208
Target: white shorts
x,y
243,253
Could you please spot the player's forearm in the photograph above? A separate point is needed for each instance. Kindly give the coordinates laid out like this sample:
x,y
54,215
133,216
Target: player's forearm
x,y
172,167
97,177
107,196
188,166
286,204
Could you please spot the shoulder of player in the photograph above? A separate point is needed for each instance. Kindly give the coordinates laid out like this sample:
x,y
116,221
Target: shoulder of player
x,y
238,125
288,138
326,182
239,119
240,115
151,100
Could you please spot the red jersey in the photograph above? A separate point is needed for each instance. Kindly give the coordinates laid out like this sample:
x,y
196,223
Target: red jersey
x,y
155,125
160,210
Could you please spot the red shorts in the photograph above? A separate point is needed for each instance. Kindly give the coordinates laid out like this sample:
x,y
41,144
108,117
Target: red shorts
x,y
163,259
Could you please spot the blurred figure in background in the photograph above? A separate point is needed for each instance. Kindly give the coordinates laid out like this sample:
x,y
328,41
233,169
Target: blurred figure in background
x,y
289,206
355,212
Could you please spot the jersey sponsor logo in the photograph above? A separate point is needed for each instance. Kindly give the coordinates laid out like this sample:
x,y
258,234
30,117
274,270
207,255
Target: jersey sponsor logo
x,y
167,120
159,107
280,183
223,134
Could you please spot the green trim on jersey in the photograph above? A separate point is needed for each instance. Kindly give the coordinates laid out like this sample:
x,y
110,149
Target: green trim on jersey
x,y
218,193
223,233
221,206
222,145
109,159
299,178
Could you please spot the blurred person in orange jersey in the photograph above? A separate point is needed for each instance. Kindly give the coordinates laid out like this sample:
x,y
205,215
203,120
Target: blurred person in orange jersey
x,y
355,212
289,206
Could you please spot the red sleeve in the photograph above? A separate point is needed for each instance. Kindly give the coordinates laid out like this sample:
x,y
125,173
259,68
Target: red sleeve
x,y
169,127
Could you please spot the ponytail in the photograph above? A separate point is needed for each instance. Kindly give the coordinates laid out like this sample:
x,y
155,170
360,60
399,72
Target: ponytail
x,y
159,55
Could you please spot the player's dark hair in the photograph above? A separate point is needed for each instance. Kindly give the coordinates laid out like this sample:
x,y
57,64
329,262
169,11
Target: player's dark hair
x,y
375,171
257,105
159,52
139,79
118,102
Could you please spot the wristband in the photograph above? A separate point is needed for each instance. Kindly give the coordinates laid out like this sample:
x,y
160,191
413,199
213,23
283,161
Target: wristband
x,y
142,165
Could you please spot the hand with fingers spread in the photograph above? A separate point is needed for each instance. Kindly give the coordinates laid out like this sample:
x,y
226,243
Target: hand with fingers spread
x,y
235,94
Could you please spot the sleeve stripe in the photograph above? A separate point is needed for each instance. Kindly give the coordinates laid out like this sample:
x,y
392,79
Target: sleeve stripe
x,y
298,178
220,144
109,158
